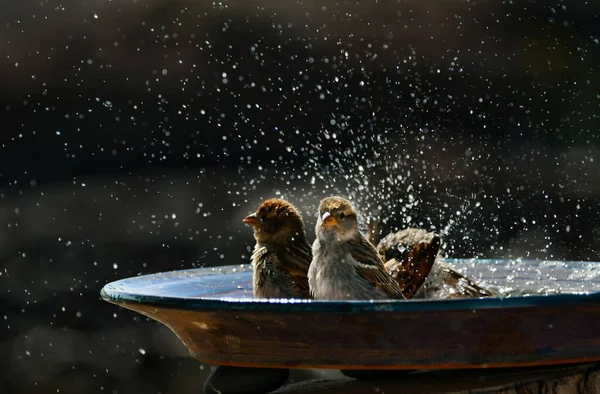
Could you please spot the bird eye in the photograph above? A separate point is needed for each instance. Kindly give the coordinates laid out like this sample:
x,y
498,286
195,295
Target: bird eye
x,y
342,215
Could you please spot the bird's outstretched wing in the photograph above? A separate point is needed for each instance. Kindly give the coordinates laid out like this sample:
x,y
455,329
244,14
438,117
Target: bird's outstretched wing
x,y
409,256
412,270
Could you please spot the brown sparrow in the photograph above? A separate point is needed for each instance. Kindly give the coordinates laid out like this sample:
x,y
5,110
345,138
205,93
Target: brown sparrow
x,y
345,266
282,254
412,258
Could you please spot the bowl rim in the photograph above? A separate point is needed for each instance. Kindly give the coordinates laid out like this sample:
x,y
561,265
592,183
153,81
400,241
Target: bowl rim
x,y
116,292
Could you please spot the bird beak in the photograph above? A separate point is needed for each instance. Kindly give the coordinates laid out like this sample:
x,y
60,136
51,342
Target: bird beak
x,y
328,220
251,220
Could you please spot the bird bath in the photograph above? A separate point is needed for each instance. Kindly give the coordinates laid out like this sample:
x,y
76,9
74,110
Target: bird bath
x,y
548,313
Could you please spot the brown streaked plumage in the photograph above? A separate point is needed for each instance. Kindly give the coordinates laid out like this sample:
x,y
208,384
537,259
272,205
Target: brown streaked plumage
x,y
345,265
409,256
282,254
412,258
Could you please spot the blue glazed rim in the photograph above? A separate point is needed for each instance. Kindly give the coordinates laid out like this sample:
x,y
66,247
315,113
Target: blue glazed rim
x,y
116,292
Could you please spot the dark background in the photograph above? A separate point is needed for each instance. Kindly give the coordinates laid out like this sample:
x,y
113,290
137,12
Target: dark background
x,y
135,135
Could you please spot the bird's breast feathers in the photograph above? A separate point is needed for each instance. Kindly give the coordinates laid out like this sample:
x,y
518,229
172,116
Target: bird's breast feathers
x,y
332,275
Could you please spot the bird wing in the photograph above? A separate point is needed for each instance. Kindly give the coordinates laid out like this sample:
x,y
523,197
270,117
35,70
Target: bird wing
x,y
281,272
370,267
296,260
411,271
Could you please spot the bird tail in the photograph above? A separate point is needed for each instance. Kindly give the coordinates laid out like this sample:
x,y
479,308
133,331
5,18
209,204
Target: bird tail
x,y
463,287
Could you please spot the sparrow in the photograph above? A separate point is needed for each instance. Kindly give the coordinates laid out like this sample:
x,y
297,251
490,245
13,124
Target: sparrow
x,y
412,258
345,265
282,254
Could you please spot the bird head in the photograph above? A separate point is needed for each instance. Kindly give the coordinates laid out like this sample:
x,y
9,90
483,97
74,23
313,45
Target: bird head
x,y
276,221
337,219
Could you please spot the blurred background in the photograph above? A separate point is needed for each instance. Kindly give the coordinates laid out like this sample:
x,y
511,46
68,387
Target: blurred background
x,y
136,135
